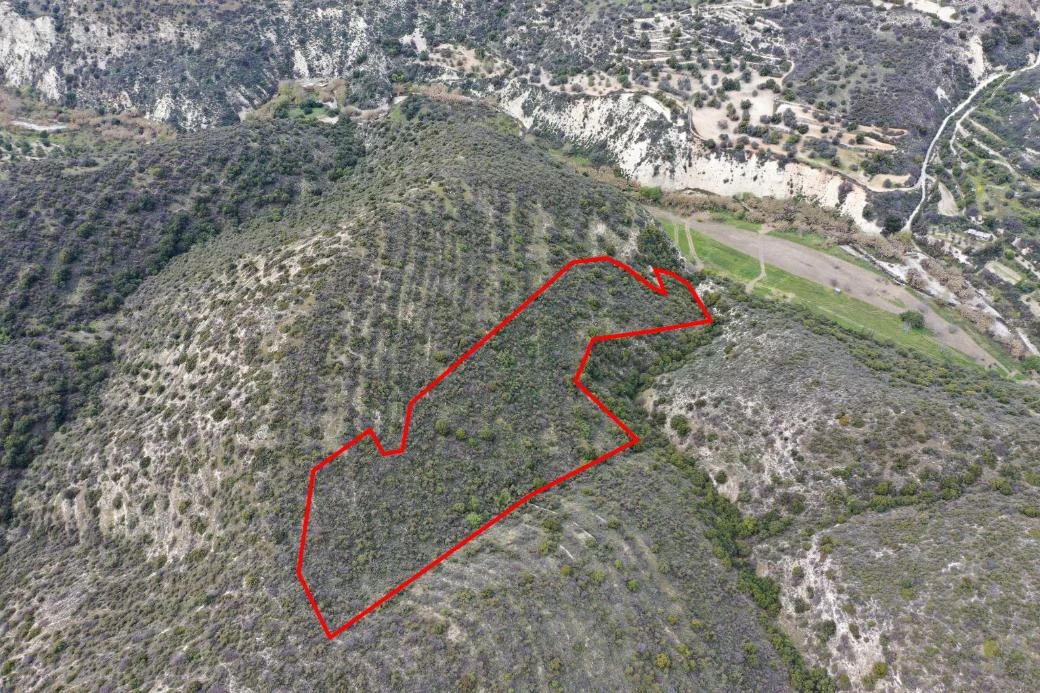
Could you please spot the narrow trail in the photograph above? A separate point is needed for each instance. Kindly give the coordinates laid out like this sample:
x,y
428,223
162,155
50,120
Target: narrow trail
x,y
750,286
697,262
922,182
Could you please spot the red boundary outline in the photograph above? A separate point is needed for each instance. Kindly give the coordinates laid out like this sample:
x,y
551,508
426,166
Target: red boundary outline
x,y
633,439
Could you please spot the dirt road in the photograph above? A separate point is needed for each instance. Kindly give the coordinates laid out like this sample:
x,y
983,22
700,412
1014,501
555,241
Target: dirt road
x,y
829,271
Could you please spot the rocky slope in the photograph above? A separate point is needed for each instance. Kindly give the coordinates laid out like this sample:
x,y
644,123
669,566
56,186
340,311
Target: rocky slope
x,y
903,499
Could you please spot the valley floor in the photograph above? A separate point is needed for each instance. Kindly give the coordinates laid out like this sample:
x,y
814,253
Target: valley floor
x,y
829,271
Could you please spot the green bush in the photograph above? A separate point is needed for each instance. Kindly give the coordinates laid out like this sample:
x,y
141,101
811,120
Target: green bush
x,y
653,194
913,319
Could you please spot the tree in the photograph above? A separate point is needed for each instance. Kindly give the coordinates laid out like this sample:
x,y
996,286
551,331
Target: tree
x,y
912,319
893,224
681,425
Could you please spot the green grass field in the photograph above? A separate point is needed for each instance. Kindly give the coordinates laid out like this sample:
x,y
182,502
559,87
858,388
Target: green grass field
x,y
852,313
715,255
848,312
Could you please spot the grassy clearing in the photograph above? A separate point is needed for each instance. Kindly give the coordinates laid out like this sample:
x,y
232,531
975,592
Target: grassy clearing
x,y
843,309
852,313
682,240
715,256
818,242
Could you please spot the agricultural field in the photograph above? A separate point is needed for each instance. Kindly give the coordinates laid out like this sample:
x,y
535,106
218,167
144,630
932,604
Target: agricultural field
x,y
982,212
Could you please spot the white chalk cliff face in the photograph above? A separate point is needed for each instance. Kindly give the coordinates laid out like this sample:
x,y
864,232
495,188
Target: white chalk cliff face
x,y
653,150
763,177
24,47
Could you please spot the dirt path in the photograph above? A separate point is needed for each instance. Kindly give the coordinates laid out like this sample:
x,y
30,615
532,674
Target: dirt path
x,y
823,269
750,286
922,181
693,250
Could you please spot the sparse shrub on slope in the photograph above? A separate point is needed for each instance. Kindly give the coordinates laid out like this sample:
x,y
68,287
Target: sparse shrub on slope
x,y
247,360
77,243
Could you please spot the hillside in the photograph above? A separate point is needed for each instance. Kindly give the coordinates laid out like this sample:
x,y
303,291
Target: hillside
x,y
178,522
896,498
236,235
903,117
81,230
809,509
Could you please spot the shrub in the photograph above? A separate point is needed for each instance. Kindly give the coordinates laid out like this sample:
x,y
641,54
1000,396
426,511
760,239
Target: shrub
x,y
681,425
653,194
913,319
990,648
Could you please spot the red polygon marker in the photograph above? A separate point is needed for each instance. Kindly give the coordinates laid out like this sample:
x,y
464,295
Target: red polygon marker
x,y
658,288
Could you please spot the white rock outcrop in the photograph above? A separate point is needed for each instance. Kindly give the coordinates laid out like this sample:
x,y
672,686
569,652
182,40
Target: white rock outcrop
x,y
653,151
24,47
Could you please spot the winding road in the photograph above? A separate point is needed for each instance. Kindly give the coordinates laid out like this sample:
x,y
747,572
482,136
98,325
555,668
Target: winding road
x,y
964,106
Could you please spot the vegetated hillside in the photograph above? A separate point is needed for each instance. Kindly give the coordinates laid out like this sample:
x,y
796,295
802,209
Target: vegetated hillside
x,y
879,67
80,233
508,420
154,542
983,208
200,64
897,501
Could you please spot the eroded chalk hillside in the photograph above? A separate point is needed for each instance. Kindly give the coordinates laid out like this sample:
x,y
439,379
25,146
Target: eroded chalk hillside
x,y
640,135
154,541
849,95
